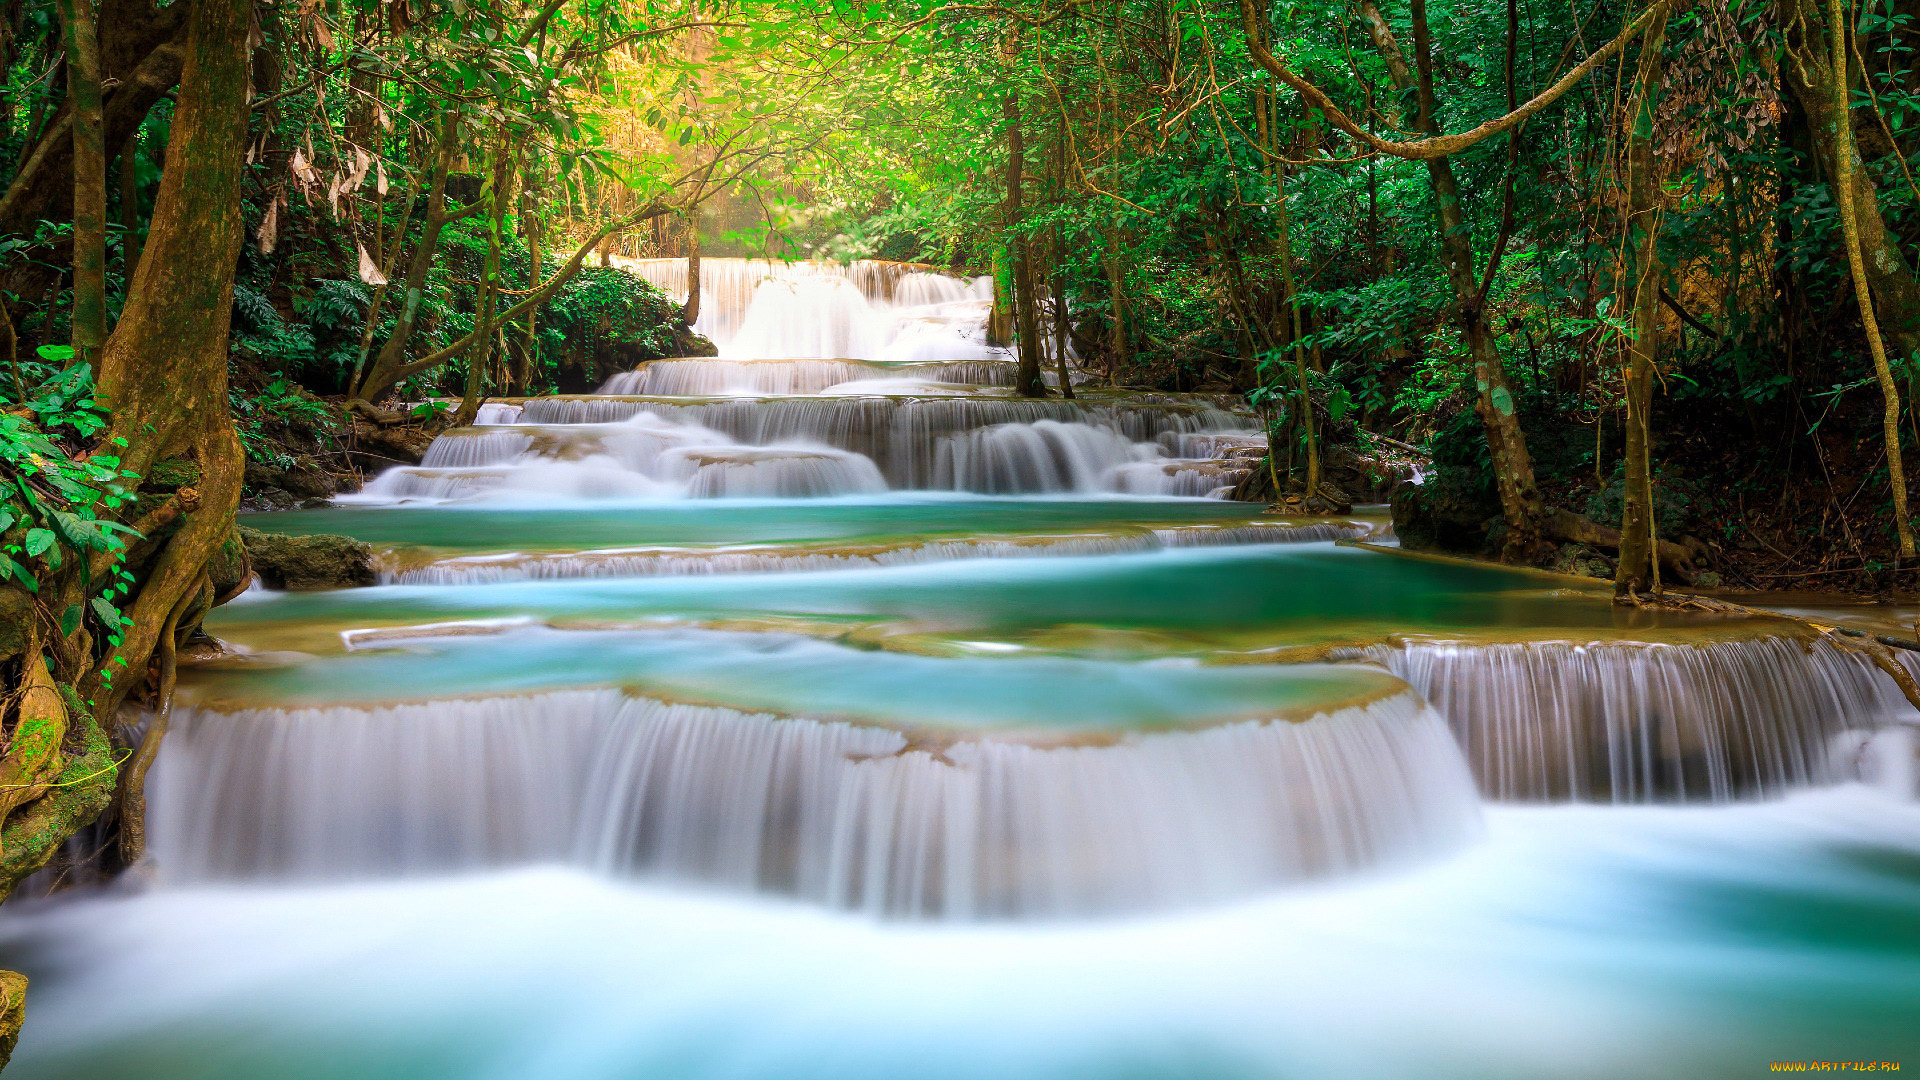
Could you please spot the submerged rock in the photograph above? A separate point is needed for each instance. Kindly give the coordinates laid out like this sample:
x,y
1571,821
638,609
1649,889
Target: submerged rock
x,y
320,561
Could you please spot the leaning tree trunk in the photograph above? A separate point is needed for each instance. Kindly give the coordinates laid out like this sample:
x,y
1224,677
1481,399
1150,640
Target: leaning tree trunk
x,y
383,374
504,160
1639,566
1520,504
1026,381
141,52
690,314
1821,90
164,379
1824,85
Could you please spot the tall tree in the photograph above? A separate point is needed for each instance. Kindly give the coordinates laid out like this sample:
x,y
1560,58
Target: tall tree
x,y
1639,567
163,377
89,180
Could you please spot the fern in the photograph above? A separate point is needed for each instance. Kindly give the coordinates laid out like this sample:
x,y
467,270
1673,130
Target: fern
x,y
255,312
337,304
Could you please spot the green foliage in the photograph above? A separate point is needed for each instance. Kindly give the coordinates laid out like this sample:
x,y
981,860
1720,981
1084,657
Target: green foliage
x,y
607,306
58,502
1676,503
260,417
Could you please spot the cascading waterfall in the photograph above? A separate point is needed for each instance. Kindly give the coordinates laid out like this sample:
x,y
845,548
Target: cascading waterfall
x,y
713,378
869,310
845,815
833,380
1639,721
603,446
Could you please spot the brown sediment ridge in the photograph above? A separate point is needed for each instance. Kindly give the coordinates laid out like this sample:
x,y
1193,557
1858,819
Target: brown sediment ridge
x,y
933,738
1738,630
409,565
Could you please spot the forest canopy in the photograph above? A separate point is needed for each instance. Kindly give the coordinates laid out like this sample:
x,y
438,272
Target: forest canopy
x,y
1638,280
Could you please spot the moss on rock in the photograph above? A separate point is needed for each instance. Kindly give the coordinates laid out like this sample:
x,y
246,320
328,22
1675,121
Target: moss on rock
x,y
320,561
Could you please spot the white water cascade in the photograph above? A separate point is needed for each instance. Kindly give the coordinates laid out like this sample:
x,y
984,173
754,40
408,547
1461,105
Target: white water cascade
x,y
628,447
1645,722
691,377
845,815
833,380
866,310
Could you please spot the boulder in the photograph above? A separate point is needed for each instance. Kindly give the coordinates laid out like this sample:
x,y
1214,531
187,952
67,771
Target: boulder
x,y
1444,516
691,344
320,561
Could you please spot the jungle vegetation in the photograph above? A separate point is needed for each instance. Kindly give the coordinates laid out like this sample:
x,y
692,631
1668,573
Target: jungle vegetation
x,y
1640,277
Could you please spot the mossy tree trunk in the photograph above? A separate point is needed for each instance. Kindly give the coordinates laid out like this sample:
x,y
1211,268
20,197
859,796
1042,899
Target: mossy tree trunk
x,y
691,313
1639,567
1821,70
1026,381
1520,503
163,377
89,180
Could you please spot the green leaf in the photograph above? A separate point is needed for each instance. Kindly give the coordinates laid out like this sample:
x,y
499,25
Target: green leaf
x,y
26,579
70,619
55,353
38,541
109,615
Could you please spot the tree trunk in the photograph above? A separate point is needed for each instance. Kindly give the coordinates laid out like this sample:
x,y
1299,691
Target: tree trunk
x,y
1871,253
384,373
1639,568
1026,381
1058,281
1000,318
163,375
501,197
130,208
140,53
536,252
1520,503
1303,402
691,313
1821,90
1122,355
89,181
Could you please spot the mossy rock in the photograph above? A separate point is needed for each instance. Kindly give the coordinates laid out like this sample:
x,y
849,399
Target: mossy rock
x,y
1444,515
1584,561
691,344
303,481
320,561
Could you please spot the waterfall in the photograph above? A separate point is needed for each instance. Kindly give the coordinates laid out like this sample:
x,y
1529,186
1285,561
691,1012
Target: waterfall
x,y
1042,456
713,378
397,569
850,816
807,318
496,412
625,447
755,308
1641,722
888,430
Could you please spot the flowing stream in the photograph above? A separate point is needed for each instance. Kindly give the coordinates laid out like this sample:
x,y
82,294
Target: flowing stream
x,y
822,710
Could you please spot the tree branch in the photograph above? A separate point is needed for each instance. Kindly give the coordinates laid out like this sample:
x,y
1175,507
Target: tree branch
x,y
1438,146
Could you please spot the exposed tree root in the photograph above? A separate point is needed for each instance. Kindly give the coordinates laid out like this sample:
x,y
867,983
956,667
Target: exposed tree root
x,y
13,1012
1576,528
